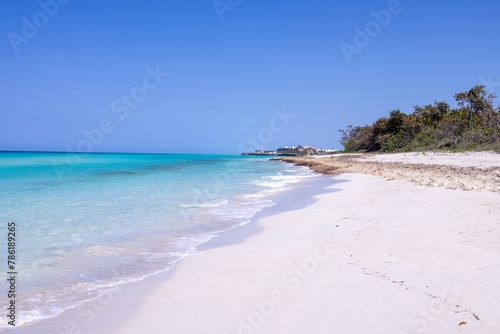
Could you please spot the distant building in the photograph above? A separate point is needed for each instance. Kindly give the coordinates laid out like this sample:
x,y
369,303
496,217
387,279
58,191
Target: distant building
x,y
299,150
327,151
308,150
283,149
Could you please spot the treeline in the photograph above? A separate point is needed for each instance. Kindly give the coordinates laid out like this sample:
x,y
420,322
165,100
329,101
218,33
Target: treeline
x,y
473,124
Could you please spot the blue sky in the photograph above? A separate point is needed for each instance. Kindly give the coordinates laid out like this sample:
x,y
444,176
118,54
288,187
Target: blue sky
x,y
80,75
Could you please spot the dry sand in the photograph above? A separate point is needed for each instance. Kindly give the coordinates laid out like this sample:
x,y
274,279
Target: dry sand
x,y
483,160
474,171
368,256
374,257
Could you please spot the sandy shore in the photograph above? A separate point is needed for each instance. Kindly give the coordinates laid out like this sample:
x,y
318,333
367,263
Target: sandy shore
x,y
474,171
367,256
351,253
374,257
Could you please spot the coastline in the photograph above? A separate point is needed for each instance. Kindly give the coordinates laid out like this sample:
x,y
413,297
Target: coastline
x,y
132,216
353,267
336,256
94,315
470,171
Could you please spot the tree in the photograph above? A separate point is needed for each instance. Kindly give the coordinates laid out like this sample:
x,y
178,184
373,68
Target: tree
x,y
426,125
431,115
356,138
476,100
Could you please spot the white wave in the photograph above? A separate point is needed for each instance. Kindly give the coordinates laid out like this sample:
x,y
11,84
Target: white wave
x,y
270,184
213,204
263,193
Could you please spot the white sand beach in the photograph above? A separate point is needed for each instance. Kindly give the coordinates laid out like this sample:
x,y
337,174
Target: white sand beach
x,y
471,171
462,159
367,256
374,257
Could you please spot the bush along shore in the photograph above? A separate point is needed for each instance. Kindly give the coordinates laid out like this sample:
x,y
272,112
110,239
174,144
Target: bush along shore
x,y
473,125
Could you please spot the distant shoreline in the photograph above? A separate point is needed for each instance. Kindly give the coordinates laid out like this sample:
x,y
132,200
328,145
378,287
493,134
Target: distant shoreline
x,y
473,171
270,154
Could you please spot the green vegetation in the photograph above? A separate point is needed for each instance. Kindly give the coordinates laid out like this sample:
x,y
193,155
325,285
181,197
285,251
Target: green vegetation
x,y
473,125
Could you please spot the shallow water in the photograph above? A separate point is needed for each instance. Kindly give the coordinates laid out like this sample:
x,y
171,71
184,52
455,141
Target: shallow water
x,y
88,223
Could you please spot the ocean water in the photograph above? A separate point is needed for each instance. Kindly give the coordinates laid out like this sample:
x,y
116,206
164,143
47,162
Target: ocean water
x,y
89,223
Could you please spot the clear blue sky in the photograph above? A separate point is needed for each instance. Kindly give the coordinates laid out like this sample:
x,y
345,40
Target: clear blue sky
x,y
227,76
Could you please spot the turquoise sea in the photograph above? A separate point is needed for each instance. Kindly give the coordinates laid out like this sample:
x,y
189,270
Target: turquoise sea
x,y
88,223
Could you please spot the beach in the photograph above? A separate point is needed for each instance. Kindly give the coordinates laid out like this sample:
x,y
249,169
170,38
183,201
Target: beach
x,y
471,171
250,167
100,221
350,253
